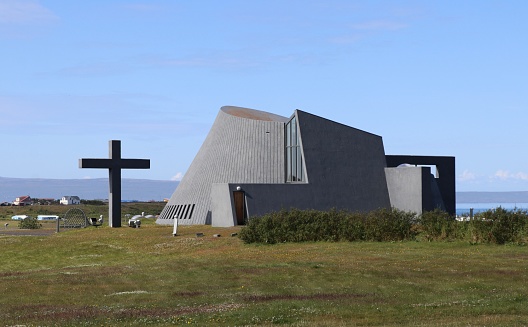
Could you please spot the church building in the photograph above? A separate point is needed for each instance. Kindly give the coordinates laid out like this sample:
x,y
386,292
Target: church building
x,y
254,162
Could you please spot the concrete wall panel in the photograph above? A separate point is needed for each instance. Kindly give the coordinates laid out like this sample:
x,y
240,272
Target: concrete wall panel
x,y
406,186
445,180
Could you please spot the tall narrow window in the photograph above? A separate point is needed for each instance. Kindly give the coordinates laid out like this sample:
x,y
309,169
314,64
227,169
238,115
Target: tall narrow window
x,y
294,159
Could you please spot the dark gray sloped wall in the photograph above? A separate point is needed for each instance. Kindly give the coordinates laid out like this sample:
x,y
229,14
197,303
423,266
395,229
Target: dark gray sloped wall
x,y
345,166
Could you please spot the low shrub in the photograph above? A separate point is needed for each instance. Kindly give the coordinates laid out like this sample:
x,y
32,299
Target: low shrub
x,y
389,225
29,223
311,225
499,226
352,227
438,225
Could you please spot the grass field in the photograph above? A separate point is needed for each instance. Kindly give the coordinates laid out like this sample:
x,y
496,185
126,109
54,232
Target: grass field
x,y
145,276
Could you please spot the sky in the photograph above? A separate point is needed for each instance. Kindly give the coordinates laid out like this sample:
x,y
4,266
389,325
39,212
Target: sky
x,y
439,78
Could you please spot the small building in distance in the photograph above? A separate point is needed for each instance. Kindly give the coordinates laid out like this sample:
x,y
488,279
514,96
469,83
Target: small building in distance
x,y
47,217
24,200
70,199
254,162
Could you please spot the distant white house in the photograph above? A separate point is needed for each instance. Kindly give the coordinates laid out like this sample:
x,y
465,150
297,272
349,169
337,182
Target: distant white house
x,y
70,199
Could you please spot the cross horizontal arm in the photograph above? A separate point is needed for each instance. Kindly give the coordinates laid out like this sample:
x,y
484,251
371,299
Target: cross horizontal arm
x,y
114,163
95,163
135,163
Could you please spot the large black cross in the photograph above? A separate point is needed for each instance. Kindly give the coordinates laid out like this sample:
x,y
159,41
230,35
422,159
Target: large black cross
x,y
114,166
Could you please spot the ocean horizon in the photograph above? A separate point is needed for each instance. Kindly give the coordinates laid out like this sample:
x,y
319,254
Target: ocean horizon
x,y
464,208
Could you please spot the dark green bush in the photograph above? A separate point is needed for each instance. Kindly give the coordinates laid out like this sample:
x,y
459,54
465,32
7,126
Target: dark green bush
x,y
29,223
437,225
352,227
312,225
494,226
499,226
389,225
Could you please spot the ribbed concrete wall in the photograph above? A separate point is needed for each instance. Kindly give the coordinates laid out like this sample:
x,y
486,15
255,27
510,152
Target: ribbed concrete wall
x,y
243,146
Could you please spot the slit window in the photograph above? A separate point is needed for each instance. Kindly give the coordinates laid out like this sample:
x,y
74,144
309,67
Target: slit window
x,y
179,212
171,212
192,209
294,158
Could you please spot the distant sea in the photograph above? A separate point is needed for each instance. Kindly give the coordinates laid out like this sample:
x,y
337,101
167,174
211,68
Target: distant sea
x,y
463,208
86,189
147,190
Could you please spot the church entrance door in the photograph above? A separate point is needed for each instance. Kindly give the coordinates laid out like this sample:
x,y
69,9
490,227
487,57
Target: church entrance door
x,y
240,207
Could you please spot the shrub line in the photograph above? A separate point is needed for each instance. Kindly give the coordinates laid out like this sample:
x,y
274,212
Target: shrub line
x,y
495,226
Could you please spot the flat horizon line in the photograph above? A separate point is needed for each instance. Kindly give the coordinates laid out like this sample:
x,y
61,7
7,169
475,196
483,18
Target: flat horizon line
x,y
90,178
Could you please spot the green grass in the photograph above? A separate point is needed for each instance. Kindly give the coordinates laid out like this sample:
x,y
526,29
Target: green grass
x,y
137,277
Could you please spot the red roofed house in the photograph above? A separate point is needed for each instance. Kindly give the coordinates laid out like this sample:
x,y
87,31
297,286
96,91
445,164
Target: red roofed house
x,y
24,200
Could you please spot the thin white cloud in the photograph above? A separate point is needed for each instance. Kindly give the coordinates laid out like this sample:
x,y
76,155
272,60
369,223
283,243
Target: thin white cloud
x,y
24,12
466,176
346,39
502,174
197,61
506,175
101,113
142,7
96,69
521,176
209,61
177,177
359,31
379,25
229,61
10,110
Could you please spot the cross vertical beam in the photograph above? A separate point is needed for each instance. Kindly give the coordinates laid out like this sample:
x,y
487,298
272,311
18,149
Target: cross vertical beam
x,y
114,180
114,165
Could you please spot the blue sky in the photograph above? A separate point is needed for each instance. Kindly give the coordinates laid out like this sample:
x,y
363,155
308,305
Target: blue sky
x,y
430,77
